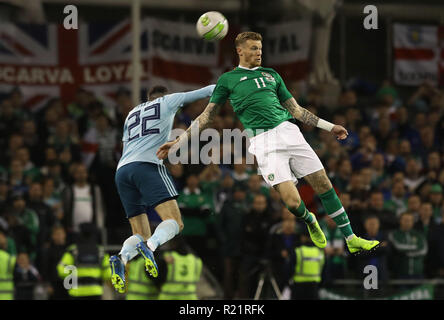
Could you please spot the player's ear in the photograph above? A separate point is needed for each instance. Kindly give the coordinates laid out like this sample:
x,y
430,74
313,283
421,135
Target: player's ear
x,y
239,50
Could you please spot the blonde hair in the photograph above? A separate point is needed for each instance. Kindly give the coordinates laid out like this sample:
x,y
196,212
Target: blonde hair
x,y
248,35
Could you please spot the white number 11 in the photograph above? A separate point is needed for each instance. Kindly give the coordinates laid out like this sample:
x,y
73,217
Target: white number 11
x,y
258,84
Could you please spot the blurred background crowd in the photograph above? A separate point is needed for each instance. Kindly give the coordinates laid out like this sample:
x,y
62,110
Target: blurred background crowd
x,y
58,159
57,172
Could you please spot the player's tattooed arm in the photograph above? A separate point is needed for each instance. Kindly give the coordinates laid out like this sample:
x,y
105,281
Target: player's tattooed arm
x,y
309,118
202,122
300,113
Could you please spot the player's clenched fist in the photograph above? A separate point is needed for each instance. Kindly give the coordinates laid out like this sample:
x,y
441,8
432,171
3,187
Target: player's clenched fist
x,y
162,152
340,132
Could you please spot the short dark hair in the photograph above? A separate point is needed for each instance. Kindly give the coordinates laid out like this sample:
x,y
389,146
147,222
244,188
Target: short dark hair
x,y
405,213
157,89
248,35
370,216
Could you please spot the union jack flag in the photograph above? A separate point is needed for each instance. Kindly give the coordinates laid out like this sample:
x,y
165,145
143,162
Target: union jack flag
x,y
49,60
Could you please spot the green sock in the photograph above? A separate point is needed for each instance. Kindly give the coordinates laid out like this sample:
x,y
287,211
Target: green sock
x,y
336,211
301,212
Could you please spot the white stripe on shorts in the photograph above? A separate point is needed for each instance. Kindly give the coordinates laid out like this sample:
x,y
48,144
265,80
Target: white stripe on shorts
x,y
169,180
159,168
336,213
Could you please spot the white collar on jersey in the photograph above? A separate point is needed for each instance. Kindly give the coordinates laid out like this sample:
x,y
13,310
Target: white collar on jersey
x,y
239,66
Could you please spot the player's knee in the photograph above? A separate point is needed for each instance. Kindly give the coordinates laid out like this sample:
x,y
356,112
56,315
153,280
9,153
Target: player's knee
x,y
323,186
293,202
320,182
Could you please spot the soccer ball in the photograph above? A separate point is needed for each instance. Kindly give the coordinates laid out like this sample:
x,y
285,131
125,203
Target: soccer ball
x,y
212,25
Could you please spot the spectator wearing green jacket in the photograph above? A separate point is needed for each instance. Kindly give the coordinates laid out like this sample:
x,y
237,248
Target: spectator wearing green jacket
x,y
209,182
398,200
24,225
195,209
30,171
409,249
255,187
193,203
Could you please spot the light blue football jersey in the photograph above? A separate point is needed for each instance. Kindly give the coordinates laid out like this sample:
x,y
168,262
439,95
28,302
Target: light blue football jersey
x,y
148,125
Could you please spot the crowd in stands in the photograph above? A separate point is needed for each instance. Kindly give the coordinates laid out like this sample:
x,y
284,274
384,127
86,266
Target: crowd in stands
x,y
57,170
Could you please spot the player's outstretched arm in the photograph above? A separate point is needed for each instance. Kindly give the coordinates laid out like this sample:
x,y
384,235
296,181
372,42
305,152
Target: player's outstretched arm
x,y
198,94
309,118
202,122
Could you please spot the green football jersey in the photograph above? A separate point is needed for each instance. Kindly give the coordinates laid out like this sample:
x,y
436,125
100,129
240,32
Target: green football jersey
x,y
256,96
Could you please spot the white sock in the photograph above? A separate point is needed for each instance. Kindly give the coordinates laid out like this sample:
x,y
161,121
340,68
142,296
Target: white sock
x,y
129,250
350,237
164,232
314,219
